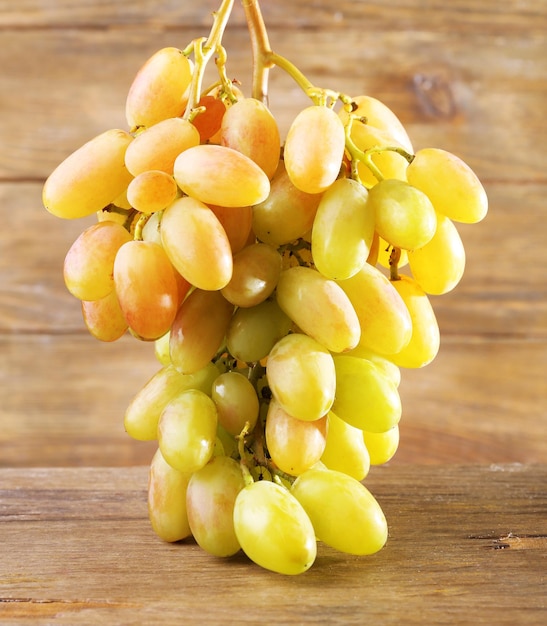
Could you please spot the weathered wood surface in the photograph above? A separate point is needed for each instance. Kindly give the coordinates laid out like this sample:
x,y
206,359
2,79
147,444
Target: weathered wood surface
x,y
467,545
465,76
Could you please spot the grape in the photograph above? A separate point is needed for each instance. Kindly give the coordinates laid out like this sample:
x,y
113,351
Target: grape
x,y
325,494
167,500
196,244
104,318
425,339
314,149
249,127
157,90
294,445
236,402
273,528
208,122
343,230
382,446
237,222
319,307
405,216
391,371
345,450
198,330
301,376
210,500
439,265
161,349
151,191
157,147
90,178
385,322
89,263
385,250
365,397
451,185
256,270
197,167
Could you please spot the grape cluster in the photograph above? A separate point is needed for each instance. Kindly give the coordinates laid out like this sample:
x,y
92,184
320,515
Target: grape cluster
x,y
267,274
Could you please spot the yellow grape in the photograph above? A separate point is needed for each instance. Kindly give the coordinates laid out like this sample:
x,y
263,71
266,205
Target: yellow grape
x,y
343,230
161,349
273,528
451,185
287,213
294,444
365,397
385,322
187,431
90,178
249,127
89,262
237,222
144,410
439,265
157,90
425,339
255,274
392,371
157,147
197,244
198,330
167,500
253,331
301,376
344,514
104,318
345,449
320,307
220,175
151,191
314,149
384,253
382,446
210,500
236,402
147,288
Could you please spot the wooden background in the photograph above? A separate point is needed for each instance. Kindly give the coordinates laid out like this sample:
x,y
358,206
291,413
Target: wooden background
x,y
469,77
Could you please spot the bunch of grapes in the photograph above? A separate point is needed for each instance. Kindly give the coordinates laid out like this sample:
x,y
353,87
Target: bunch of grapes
x,y
270,277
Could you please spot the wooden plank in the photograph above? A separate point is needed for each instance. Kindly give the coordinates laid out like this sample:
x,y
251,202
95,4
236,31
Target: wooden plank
x,y
466,543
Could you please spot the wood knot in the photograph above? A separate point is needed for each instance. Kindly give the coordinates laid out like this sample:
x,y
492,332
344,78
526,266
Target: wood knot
x,y
435,95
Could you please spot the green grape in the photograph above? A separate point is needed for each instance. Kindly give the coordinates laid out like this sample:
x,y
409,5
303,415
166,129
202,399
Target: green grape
x,y
365,397
151,191
319,307
253,331
210,500
314,149
301,376
425,340
343,230
404,215
143,412
382,446
451,185
198,330
256,270
236,402
237,222
89,262
147,288
90,178
344,514
157,90
157,147
249,127
104,318
385,322
167,500
273,528
187,431
392,371
196,244
161,349
345,450
294,445
220,175
286,214
439,265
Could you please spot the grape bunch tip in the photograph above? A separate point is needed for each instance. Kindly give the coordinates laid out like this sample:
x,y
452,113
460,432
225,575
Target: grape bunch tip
x,y
284,285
